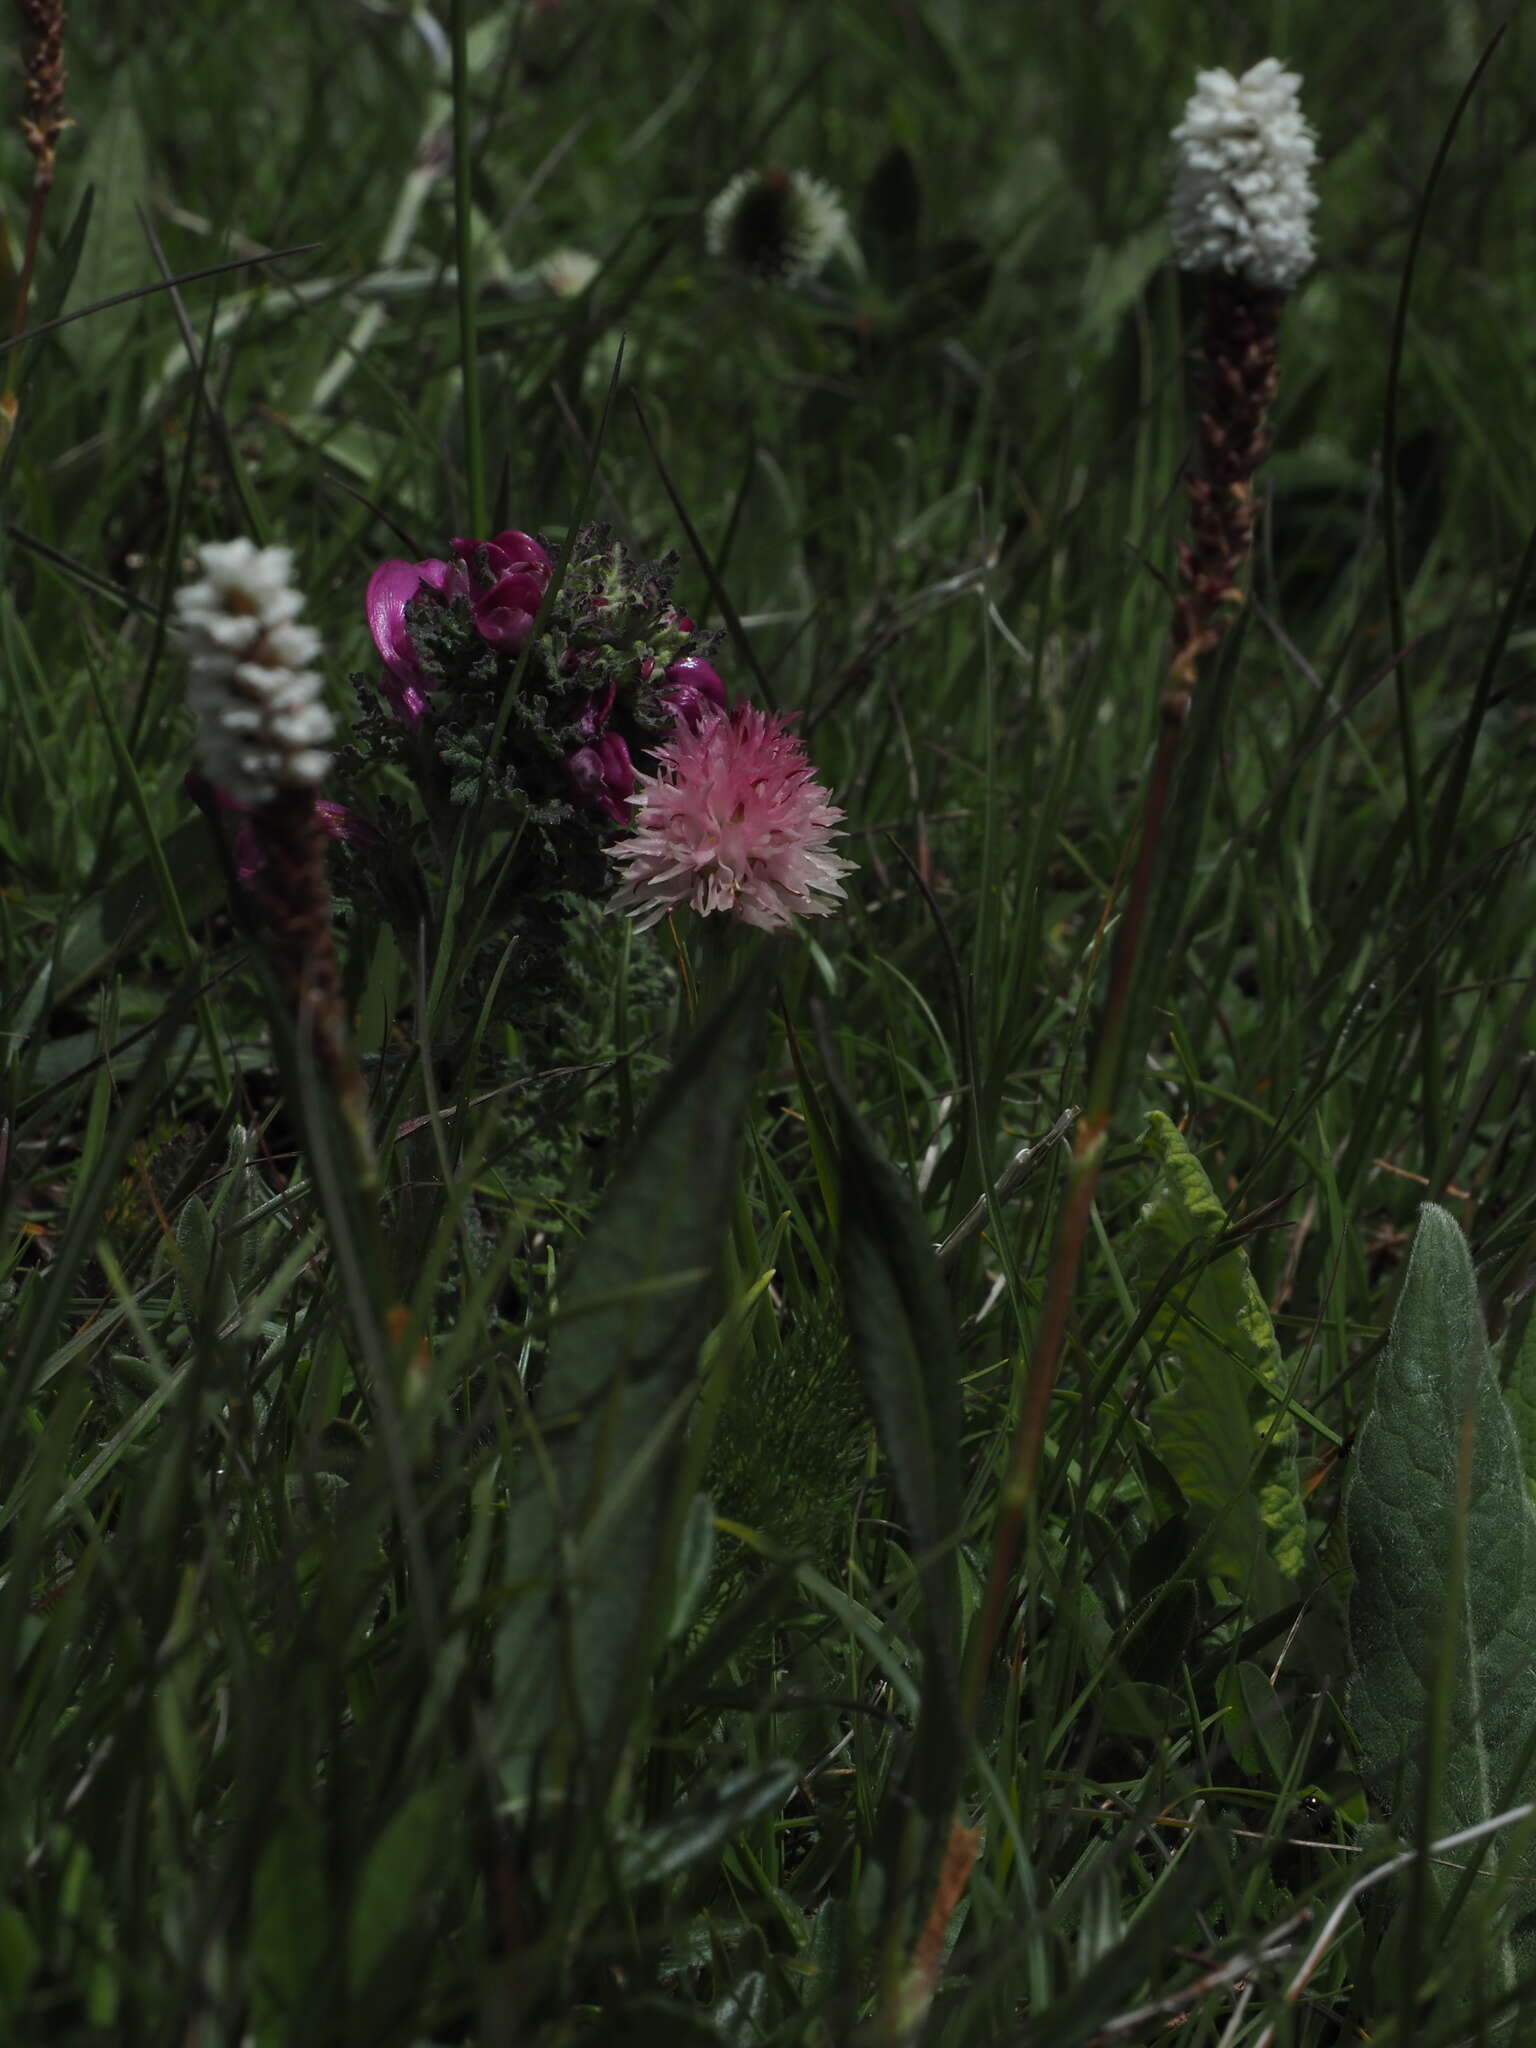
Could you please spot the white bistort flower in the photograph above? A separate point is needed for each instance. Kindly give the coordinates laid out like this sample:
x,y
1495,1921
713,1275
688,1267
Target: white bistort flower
x,y
777,225
262,725
1242,184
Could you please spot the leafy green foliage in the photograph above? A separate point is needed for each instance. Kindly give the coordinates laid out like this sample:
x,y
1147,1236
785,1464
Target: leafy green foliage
x,y
592,1534
282,1440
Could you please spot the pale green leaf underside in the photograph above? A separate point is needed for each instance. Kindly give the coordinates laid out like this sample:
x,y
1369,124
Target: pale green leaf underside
x,y
1439,1452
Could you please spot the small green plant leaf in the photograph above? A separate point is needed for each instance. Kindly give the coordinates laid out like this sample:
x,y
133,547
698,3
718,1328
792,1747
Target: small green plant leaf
x,y
1222,1429
1442,1541
590,1527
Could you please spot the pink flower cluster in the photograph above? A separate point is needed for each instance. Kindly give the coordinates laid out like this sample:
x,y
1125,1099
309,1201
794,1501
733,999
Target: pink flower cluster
x,y
733,820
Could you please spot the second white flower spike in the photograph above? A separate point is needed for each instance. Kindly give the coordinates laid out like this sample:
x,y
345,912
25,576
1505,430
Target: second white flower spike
x,y
262,724
1242,187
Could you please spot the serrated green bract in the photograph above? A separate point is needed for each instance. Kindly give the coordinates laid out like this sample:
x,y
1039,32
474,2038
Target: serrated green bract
x,y
588,1561
1223,1429
1442,1540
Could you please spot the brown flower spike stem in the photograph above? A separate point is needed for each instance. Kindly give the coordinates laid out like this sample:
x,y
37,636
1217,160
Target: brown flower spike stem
x,y
1238,385
41,125
295,901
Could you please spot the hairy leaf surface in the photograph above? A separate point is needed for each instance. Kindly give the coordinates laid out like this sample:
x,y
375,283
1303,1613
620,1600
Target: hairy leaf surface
x,y
1442,1540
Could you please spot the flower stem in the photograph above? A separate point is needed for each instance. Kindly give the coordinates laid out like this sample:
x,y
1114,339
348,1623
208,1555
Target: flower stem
x,y
1241,329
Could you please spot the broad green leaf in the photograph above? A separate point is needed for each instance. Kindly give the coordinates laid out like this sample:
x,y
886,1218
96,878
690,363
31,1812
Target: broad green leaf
x,y
116,256
588,1537
1442,1541
1222,1429
1256,1724
401,1866
290,1919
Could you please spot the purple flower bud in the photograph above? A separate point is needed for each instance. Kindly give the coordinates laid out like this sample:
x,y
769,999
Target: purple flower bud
x,y
520,571
595,717
603,776
694,692
338,821
250,854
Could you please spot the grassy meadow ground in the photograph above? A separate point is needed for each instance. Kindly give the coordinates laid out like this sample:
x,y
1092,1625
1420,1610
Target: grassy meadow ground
x,y
294,1746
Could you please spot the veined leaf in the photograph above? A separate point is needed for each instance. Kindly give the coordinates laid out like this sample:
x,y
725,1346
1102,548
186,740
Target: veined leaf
x,y
1223,1429
588,1531
1442,1540
116,255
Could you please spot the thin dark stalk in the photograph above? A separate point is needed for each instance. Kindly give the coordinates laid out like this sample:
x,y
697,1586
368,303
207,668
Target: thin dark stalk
x,y
41,125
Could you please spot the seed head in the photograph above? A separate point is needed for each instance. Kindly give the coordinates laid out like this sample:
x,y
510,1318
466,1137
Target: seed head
x,y
780,226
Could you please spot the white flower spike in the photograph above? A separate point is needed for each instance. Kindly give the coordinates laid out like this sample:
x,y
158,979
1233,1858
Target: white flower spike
x,y
1242,186
262,725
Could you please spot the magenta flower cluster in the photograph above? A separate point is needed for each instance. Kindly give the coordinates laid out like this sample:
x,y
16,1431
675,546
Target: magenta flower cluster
x,y
504,581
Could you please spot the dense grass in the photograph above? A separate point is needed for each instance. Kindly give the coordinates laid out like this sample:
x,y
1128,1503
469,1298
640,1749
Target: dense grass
x,y
294,1750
